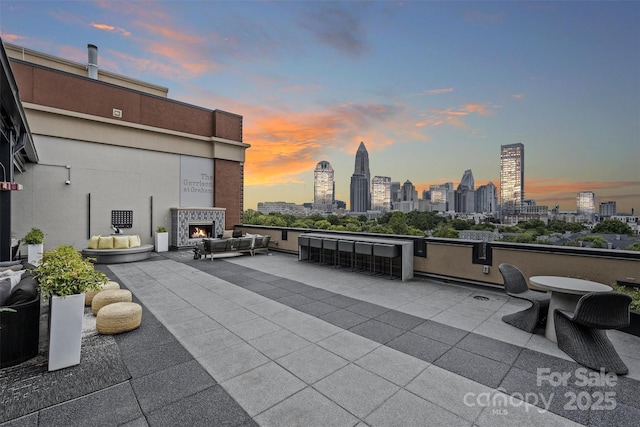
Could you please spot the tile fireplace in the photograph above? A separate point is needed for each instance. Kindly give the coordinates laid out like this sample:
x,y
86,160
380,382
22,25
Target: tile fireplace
x,y
189,225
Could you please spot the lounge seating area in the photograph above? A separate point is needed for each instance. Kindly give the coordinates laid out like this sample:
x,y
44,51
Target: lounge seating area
x,y
250,243
116,249
579,326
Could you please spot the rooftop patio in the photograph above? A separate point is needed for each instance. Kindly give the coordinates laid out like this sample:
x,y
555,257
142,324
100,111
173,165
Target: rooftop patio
x,y
268,340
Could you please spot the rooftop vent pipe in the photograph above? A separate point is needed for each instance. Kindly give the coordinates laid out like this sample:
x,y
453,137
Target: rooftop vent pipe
x,y
92,65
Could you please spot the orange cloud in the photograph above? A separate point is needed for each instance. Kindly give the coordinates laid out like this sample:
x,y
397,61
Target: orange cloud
x,y
11,38
287,144
168,34
106,27
453,117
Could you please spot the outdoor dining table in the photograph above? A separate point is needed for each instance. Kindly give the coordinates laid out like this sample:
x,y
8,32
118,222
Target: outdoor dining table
x,y
565,293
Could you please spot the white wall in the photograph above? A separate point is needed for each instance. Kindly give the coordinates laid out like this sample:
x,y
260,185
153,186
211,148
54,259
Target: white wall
x,y
118,178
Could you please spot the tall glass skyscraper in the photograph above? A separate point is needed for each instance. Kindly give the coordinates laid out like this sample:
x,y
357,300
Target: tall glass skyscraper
x,y
511,178
323,187
467,180
381,193
586,204
360,182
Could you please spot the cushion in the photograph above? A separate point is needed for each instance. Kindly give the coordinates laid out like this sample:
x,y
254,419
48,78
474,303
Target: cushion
x,y
93,242
8,263
120,242
134,241
25,291
16,267
13,276
5,290
236,233
227,234
105,242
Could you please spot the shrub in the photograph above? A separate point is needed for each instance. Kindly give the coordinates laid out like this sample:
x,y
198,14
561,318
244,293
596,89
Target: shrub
x,y
34,237
63,272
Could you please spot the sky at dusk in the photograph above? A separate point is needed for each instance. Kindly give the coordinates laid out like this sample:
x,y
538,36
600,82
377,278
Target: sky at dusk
x,y
431,88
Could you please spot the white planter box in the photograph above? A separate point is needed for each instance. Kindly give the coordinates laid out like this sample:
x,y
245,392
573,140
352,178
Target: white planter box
x,y
162,242
65,331
34,253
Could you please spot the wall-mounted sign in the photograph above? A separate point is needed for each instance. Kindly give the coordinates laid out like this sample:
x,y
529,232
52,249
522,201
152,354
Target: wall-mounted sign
x,y
196,182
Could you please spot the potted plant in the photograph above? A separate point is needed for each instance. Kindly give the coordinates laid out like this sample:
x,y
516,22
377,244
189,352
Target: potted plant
x,y
162,239
34,240
64,276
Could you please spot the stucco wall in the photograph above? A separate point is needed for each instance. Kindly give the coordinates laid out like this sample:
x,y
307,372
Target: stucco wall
x,y
117,178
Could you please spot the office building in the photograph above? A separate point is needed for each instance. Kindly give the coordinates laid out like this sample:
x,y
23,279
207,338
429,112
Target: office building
x,y
586,205
467,180
408,198
381,193
395,194
607,209
511,178
465,195
360,182
323,187
486,199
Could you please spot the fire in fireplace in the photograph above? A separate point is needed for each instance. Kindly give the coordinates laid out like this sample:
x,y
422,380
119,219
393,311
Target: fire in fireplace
x,y
199,231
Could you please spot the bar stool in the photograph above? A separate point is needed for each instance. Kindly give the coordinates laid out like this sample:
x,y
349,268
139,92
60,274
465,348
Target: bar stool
x,y
315,242
303,242
366,250
331,245
346,246
386,251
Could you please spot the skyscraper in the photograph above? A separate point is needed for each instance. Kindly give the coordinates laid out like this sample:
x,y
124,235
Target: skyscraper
x,y
486,198
323,187
586,204
511,178
467,180
465,197
381,193
360,181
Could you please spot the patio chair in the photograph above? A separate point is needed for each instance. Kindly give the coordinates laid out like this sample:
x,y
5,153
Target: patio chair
x,y
583,336
516,286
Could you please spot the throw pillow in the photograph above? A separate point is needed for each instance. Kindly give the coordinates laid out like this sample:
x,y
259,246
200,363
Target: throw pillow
x,y
134,241
227,234
16,277
16,267
120,242
236,233
105,242
5,291
8,263
26,291
93,242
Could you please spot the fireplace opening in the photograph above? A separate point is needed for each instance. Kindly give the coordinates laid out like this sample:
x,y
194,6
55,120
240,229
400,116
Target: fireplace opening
x,y
201,230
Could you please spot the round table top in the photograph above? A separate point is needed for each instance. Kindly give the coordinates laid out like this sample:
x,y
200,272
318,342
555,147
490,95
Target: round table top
x,y
568,285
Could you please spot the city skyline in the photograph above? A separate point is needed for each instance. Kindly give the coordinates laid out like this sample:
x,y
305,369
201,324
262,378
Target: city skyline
x,y
432,88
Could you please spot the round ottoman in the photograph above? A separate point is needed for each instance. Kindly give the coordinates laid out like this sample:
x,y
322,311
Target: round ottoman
x,y
109,297
88,296
118,317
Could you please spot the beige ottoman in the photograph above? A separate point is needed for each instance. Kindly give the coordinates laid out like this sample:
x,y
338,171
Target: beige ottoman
x,y
118,317
88,296
109,297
